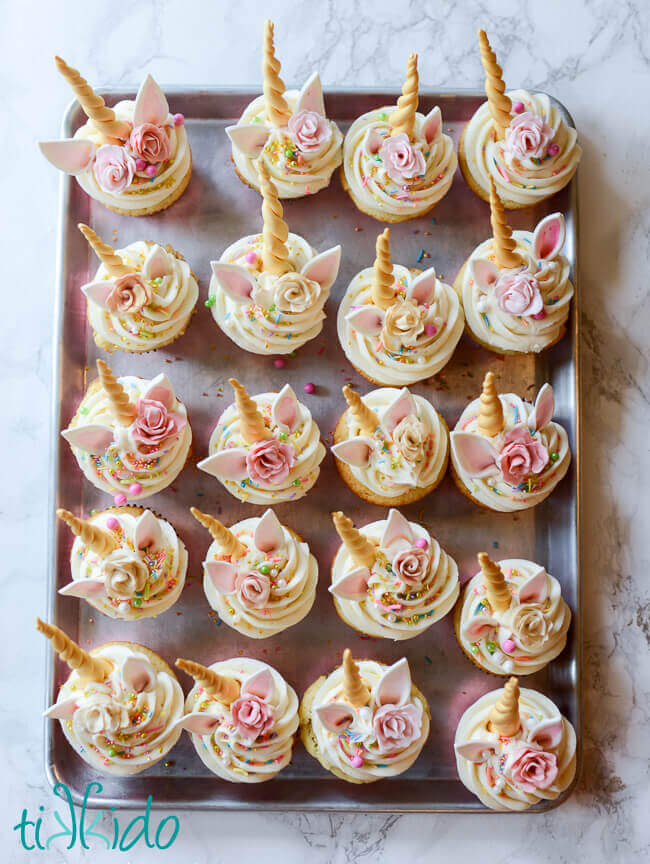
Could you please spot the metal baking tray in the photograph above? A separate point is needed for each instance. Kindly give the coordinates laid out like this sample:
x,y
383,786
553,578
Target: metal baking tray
x,y
215,210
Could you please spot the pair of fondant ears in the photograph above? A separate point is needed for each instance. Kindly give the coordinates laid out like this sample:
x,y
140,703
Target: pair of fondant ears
x,y
201,723
250,138
477,456
268,537
533,590
156,264
546,734
369,319
431,129
74,155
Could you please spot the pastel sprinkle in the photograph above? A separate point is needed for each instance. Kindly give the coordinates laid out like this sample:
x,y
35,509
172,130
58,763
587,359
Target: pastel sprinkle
x,y
309,388
430,330
517,107
250,258
508,646
553,149
151,171
140,164
422,543
112,524
135,489
179,119
278,363
120,499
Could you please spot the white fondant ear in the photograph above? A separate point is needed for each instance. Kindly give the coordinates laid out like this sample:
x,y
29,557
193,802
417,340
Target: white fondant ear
x,y
479,627
138,674
83,588
397,528
150,104
160,389
352,586
235,280
356,452
372,142
367,320
199,722
156,263
148,531
474,453
269,535
535,589
422,289
93,438
483,272
475,751
61,710
311,96
394,686
324,268
432,125
222,575
335,716
548,733
72,155
99,292
284,410
544,408
260,684
402,406
228,464
549,237
250,138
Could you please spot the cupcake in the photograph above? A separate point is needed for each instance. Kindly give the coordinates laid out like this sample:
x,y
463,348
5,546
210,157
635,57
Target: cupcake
x,y
515,287
512,618
397,164
397,325
130,436
265,449
268,290
288,132
514,749
517,138
126,562
120,706
258,575
141,298
391,446
134,158
507,454
365,720
242,717
391,578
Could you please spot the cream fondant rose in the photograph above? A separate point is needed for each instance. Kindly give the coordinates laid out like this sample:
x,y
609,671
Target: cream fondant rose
x,y
295,293
100,714
270,461
124,575
113,168
150,143
130,294
253,589
531,768
410,437
411,565
309,131
518,294
402,325
528,136
530,626
397,726
521,456
252,716
401,159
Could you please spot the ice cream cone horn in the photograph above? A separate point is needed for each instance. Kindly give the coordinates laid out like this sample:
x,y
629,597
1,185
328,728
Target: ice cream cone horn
x,y
355,691
98,540
277,109
499,104
403,118
364,417
251,423
504,716
87,666
495,583
490,413
223,688
229,544
275,254
102,117
505,247
361,550
105,253
121,407
383,292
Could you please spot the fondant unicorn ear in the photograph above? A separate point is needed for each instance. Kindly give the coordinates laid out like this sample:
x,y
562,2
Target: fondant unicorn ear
x,y
235,280
367,320
549,237
83,588
423,288
284,410
150,104
222,575
160,388
397,528
484,273
432,125
93,438
228,464
157,263
311,96
260,684
355,452
474,453
402,406
199,722
324,268
61,710
394,686
352,586
269,535
99,292
71,155
479,626
544,408
147,531
250,138
138,674
372,142
335,716
548,733
535,589
475,751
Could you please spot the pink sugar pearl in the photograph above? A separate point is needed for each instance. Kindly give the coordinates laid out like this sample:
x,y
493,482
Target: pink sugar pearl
x,y
112,524
539,316
120,499
431,330
179,119
309,388
357,761
278,363
135,489
553,149
508,646
517,107
140,164
421,543
151,171
250,258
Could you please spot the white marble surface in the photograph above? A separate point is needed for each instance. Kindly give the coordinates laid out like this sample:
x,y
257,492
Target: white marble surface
x,y
594,56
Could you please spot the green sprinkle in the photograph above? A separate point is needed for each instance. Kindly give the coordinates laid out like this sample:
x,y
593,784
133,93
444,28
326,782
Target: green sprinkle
x,y
212,299
491,646
264,569
256,120
296,482
289,154
137,602
147,591
112,751
555,457
283,436
83,410
383,116
272,307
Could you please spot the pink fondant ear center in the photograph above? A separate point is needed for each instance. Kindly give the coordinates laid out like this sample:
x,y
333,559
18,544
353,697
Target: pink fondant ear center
x,y
260,684
199,723
138,674
324,268
353,585
479,627
394,687
355,452
222,575
236,281
335,716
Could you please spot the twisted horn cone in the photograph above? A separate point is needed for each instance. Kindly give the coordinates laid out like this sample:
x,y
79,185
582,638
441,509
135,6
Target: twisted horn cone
x,y
490,413
277,109
251,423
220,687
87,666
361,550
103,118
499,104
382,291
275,232
105,253
364,417
123,409
98,540
403,118
504,245
495,583
355,691
504,716
229,544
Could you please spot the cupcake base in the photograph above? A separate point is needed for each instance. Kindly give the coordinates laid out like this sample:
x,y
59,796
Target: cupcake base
x,y
377,213
476,188
164,204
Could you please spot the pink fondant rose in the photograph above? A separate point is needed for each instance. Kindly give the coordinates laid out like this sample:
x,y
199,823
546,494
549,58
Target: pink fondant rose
x,y
397,726
253,589
252,716
150,143
528,136
269,462
532,769
401,159
154,424
130,293
309,131
518,293
113,168
411,565
521,456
